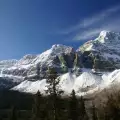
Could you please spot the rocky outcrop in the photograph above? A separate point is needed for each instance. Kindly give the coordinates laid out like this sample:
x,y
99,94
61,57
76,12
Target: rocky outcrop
x,y
101,54
60,57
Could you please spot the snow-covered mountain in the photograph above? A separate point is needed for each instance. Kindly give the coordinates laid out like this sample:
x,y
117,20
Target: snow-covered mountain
x,y
104,51
7,63
93,66
85,83
60,57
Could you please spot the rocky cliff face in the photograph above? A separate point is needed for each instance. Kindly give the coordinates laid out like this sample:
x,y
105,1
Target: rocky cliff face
x,y
7,63
101,54
60,57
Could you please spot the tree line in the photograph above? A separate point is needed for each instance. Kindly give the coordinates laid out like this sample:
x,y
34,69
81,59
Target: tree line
x,y
56,107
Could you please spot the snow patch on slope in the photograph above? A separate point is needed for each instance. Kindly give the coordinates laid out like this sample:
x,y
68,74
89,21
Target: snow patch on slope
x,y
31,87
87,79
87,82
67,81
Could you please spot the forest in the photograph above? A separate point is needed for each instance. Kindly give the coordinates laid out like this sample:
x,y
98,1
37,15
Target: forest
x,y
54,106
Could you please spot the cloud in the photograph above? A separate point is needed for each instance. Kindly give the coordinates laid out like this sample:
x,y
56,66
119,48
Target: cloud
x,y
101,16
90,33
91,26
87,34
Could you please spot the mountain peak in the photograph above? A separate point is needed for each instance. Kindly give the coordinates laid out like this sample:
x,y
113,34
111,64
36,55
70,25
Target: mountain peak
x,y
57,45
108,37
104,33
88,64
106,40
59,48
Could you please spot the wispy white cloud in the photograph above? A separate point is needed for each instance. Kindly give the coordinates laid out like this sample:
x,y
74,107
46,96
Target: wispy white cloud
x,y
92,20
91,26
90,33
86,34
101,16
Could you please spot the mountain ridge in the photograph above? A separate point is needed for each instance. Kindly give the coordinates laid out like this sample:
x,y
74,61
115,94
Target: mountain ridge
x,y
95,59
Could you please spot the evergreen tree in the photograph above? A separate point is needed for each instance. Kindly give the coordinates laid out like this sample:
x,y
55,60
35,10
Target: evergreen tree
x,y
112,108
82,109
54,92
13,115
0,118
106,117
94,113
73,108
38,107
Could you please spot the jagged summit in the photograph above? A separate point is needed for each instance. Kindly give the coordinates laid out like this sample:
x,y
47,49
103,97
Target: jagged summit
x,y
84,69
106,46
7,63
59,48
102,36
59,56
104,33
106,40
108,37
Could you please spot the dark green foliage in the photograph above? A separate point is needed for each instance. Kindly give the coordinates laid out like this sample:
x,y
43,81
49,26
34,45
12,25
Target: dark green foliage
x,y
106,117
54,93
55,107
13,114
53,83
6,83
37,110
82,109
113,108
94,112
73,109
20,100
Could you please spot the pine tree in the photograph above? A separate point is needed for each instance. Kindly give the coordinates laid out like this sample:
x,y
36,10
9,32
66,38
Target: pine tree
x,y
54,92
38,108
13,115
0,118
94,113
112,108
82,109
106,117
73,108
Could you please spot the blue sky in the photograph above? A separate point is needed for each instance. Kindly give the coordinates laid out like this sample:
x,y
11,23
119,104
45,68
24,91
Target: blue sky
x,y
32,26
